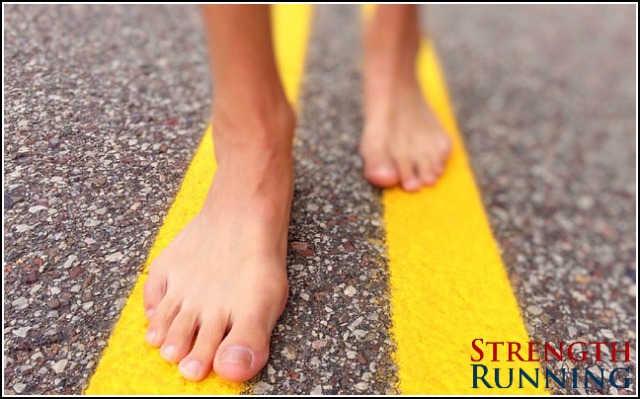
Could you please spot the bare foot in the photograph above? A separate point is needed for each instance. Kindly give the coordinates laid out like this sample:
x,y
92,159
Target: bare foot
x,y
215,293
404,144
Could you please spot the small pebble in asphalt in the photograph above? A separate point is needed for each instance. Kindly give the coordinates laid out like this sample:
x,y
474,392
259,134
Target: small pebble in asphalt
x,y
534,310
54,304
31,278
350,291
20,303
362,386
289,352
114,257
21,332
70,260
19,387
59,366
100,181
262,387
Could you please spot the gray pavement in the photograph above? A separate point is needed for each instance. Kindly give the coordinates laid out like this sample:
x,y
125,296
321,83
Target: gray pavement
x,y
545,97
333,337
105,106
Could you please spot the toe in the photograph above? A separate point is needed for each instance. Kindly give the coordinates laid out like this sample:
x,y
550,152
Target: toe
x,y
154,290
245,350
379,169
409,178
180,336
381,173
161,320
427,177
197,364
443,149
428,168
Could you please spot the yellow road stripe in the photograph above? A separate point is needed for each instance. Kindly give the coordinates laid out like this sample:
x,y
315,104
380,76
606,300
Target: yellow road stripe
x,y
448,283
128,365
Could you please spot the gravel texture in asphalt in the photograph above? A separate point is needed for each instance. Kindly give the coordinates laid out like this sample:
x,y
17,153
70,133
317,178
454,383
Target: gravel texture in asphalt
x,y
545,96
105,106
333,338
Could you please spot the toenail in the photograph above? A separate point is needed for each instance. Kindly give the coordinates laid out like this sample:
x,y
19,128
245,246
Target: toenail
x,y
412,184
384,169
168,351
429,179
151,337
237,355
191,368
149,313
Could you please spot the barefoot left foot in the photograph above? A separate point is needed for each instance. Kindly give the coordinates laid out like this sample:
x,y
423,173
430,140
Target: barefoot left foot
x,y
403,143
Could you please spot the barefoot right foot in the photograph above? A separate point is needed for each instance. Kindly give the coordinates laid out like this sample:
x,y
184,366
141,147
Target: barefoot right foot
x,y
215,293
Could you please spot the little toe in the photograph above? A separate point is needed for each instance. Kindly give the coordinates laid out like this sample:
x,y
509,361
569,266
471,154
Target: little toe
x,y
245,350
428,168
443,148
161,320
427,176
180,336
154,291
198,363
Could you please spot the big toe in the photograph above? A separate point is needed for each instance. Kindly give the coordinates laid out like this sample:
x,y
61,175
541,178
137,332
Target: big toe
x,y
380,171
245,350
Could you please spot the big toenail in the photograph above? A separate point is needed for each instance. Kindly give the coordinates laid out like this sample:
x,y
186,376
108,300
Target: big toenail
x,y
151,337
168,351
191,368
384,169
237,355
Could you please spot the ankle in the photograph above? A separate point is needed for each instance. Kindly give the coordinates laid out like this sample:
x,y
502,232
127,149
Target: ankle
x,y
386,72
266,125
384,85
390,60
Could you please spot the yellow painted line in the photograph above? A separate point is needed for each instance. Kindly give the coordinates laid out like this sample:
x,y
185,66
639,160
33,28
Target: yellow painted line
x,y
448,282
128,365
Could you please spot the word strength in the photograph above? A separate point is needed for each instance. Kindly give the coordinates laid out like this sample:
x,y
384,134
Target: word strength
x,y
493,364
